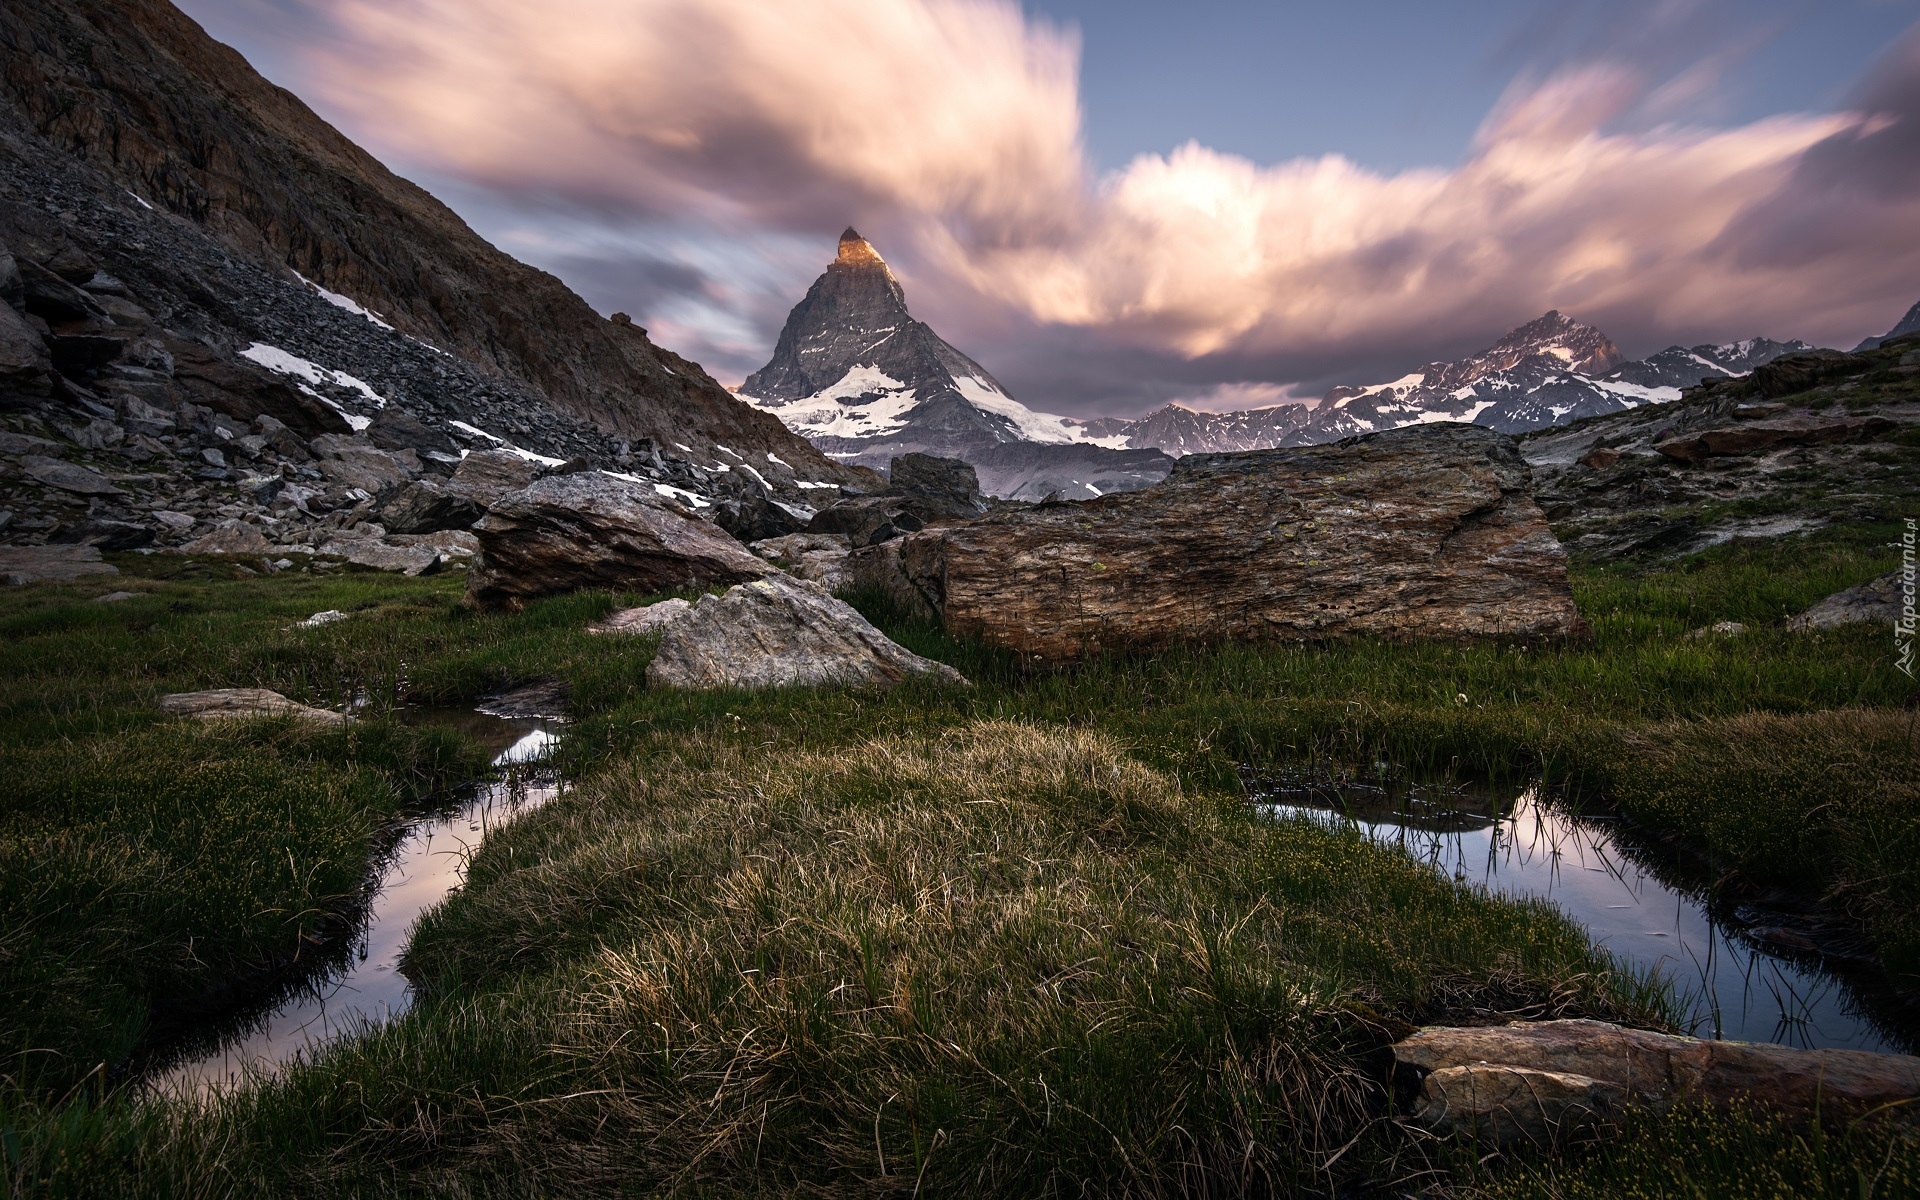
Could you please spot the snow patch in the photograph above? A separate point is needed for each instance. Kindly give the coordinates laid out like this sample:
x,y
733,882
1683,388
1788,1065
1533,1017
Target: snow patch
x,y
347,302
504,444
273,358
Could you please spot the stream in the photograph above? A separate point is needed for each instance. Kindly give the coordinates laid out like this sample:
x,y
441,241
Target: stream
x,y
361,985
1730,983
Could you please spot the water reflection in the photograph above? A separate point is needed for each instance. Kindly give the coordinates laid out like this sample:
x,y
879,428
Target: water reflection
x,y
1526,848
364,986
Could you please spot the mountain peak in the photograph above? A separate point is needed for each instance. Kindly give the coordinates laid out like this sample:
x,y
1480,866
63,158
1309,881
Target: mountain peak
x,y
1577,347
856,251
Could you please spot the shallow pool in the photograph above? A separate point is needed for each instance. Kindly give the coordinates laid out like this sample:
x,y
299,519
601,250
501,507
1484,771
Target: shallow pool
x,y
1520,846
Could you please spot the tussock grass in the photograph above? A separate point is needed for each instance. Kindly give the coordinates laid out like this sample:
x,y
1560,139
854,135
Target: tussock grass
x,y
1000,959
1690,1153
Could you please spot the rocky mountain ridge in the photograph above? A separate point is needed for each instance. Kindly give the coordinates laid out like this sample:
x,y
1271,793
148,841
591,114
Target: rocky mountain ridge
x,y
162,345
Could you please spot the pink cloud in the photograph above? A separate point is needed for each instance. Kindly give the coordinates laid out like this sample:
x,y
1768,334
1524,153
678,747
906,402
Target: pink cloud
x,y
952,129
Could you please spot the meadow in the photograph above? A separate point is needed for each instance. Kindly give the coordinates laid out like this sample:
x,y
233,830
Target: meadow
x,y
1022,938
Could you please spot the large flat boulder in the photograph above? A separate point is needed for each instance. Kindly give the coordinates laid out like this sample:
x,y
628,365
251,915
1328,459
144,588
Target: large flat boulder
x,y
1539,1081
225,704
591,530
35,564
1429,531
781,632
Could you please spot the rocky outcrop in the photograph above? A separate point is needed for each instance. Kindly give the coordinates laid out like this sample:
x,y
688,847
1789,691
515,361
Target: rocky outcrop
x,y
241,703
1875,602
591,530
1758,437
780,632
1731,461
1540,1082
1429,531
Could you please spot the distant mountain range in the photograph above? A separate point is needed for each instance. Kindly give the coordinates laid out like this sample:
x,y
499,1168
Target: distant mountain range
x,y
857,376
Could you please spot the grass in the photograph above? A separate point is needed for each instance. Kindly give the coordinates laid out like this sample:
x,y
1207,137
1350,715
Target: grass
x,y
1018,938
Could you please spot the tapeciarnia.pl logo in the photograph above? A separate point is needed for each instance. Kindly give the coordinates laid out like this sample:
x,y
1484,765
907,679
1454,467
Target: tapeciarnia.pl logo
x,y
1903,625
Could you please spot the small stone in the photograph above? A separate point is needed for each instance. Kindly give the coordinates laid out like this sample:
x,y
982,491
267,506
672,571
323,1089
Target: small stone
x,y
320,618
117,597
1874,602
1718,629
178,522
241,703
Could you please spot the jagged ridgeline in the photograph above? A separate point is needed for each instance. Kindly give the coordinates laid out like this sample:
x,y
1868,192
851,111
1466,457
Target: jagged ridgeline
x,y
189,252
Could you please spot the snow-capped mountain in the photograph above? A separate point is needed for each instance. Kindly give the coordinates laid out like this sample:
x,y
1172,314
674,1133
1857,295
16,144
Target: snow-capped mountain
x,y
856,375
1547,372
1907,324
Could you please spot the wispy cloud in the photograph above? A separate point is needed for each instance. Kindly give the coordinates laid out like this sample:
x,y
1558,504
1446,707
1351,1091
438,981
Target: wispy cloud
x,y
950,130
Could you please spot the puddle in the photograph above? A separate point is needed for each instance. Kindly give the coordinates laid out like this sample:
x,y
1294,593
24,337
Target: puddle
x,y
1732,988
363,986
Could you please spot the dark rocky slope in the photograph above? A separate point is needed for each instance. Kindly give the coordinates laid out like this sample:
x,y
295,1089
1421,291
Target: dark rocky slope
x,y
1805,441
137,91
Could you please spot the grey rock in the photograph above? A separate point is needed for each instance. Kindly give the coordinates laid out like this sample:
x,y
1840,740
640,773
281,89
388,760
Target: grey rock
x,y
24,361
787,550
486,475
778,632
117,597
1429,531
26,443
641,621
754,518
1538,1081
231,537
353,463
141,418
213,458
427,507
68,477
243,703
1875,602
938,487
395,428
178,522
590,530
37,564
95,434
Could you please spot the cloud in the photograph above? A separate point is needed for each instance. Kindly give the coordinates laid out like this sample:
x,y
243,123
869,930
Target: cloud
x,y
950,130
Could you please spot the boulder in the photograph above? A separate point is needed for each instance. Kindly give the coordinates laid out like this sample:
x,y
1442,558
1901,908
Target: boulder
x,y
1877,601
395,428
755,518
867,520
241,703
646,619
923,490
1537,1081
352,462
380,555
878,569
231,537
68,477
816,557
780,632
486,475
428,507
1428,531
591,530
937,487
36,564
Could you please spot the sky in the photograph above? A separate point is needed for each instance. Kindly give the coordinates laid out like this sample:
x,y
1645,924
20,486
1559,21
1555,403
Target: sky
x,y
1113,204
